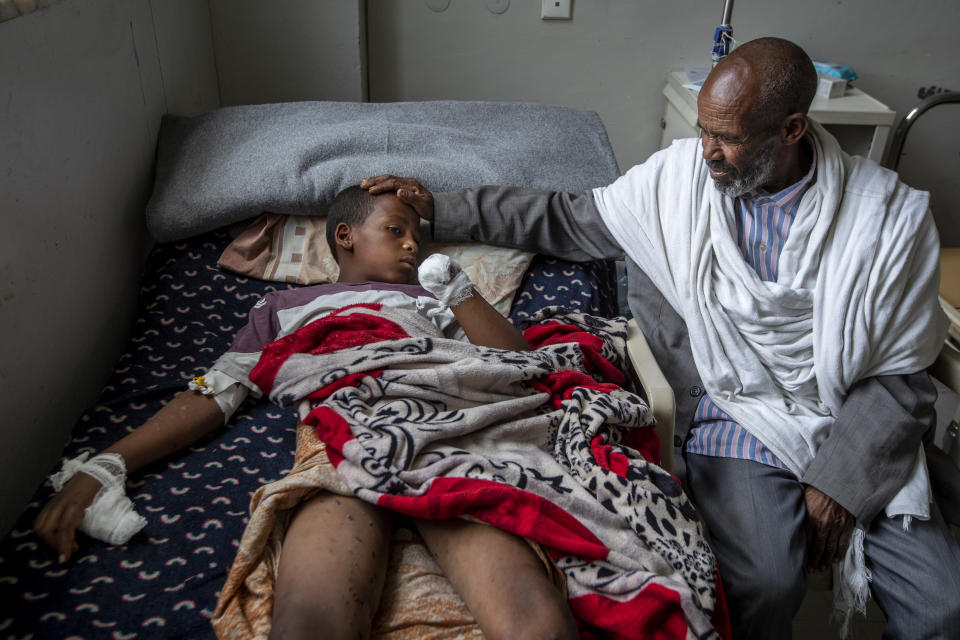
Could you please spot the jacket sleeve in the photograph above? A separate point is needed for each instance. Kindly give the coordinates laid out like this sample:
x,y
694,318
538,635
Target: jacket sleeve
x,y
873,445
558,224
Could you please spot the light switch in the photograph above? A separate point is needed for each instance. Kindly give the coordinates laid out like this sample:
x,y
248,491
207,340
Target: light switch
x,y
555,9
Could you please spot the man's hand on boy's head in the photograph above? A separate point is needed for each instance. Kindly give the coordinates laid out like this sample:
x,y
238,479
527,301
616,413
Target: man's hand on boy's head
x,y
408,190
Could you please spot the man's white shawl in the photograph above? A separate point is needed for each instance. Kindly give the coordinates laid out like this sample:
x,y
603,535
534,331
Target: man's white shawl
x,y
856,294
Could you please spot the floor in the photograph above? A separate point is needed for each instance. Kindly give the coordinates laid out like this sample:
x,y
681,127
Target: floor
x,y
815,618
815,621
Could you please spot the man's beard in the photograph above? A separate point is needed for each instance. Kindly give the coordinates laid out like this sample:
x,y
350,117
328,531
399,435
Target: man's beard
x,y
757,171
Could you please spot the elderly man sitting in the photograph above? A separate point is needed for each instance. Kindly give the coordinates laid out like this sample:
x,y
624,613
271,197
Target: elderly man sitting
x,y
789,291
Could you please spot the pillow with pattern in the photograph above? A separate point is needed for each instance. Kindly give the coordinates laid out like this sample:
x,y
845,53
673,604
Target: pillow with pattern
x,y
290,248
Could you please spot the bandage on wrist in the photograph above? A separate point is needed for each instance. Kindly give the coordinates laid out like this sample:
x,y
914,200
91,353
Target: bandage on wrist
x,y
110,517
444,278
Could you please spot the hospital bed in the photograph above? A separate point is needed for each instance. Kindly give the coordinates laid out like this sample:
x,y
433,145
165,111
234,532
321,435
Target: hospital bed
x,y
216,175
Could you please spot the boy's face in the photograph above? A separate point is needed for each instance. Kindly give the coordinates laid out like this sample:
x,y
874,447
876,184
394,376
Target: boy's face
x,y
384,247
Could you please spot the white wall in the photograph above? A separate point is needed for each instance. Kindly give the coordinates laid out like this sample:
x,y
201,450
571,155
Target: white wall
x,y
83,84
614,55
289,50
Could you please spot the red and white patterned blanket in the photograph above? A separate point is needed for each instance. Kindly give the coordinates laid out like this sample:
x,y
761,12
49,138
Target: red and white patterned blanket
x,y
534,443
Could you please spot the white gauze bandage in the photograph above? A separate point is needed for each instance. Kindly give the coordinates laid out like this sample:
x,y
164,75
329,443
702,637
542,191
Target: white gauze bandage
x,y
110,517
444,278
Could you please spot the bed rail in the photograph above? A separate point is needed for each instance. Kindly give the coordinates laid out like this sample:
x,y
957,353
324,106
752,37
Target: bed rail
x,y
900,133
658,391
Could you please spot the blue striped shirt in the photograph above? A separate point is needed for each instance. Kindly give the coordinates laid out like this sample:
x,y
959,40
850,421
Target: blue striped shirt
x,y
763,224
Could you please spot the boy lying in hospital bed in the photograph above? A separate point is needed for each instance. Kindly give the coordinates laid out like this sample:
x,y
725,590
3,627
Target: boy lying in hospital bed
x,y
330,568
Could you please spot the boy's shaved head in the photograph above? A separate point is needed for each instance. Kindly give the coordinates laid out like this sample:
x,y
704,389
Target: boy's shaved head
x,y
351,206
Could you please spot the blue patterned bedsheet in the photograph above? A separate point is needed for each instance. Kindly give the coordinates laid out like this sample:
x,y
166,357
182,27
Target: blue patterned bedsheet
x,y
165,582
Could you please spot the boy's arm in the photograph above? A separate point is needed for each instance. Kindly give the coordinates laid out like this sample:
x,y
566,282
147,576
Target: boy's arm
x,y
483,325
181,422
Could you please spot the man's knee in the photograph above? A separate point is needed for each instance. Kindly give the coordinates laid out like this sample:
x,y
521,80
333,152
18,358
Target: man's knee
x,y
916,576
927,621
922,609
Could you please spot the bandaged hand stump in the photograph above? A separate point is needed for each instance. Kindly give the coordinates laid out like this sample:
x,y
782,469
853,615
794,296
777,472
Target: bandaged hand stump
x,y
444,278
111,517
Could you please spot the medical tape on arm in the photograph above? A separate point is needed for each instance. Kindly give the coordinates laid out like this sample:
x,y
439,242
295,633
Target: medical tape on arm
x,y
226,391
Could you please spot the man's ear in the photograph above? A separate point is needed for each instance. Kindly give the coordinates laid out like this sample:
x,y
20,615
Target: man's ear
x,y
793,127
343,234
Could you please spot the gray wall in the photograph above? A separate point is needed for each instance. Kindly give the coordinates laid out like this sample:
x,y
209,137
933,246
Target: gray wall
x,y
614,55
83,84
289,50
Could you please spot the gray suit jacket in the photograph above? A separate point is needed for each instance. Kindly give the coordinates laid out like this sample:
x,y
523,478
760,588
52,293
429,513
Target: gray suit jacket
x,y
871,448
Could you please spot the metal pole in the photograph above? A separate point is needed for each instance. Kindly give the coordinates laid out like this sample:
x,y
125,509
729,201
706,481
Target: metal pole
x,y
727,12
723,36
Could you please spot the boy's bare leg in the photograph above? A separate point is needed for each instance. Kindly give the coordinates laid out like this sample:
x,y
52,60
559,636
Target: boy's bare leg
x,y
332,568
501,580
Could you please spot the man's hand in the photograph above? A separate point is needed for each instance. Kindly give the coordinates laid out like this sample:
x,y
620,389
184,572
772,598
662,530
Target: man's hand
x,y
58,520
408,190
828,526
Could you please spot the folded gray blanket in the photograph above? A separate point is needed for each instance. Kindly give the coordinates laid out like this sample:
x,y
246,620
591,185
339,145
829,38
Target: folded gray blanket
x,y
236,162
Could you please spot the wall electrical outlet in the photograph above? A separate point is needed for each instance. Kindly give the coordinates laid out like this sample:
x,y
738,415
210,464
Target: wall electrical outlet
x,y
556,9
